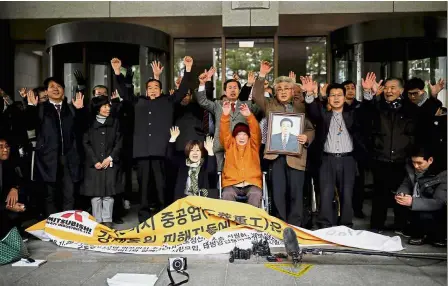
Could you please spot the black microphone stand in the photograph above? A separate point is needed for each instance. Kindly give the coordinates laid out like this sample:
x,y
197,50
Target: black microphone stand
x,y
321,251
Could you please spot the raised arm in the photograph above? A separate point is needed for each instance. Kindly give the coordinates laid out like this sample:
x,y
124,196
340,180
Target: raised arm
x,y
258,89
200,95
254,126
225,134
180,93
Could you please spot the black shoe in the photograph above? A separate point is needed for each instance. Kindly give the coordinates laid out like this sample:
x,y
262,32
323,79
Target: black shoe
x,y
118,221
403,233
416,241
108,224
359,214
439,243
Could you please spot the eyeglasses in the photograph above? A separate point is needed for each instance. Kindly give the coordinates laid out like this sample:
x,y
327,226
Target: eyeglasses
x,y
413,94
280,90
4,146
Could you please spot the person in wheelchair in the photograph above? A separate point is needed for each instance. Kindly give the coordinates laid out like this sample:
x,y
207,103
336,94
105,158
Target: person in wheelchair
x,y
242,172
193,177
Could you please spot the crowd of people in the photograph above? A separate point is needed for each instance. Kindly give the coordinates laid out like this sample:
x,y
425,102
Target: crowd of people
x,y
57,155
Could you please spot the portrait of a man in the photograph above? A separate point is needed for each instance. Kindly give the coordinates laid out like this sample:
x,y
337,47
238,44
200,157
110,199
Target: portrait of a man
x,y
284,129
285,140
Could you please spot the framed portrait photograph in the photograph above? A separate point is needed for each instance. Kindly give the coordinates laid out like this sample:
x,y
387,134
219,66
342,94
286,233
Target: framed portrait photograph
x,y
283,129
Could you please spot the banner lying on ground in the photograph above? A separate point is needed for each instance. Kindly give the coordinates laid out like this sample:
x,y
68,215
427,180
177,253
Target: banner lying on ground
x,y
196,225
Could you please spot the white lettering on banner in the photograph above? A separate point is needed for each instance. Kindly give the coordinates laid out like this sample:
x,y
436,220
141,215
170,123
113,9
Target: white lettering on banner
x,y
72,221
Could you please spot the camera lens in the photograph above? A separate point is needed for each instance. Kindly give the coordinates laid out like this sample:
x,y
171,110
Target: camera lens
x,y
177,264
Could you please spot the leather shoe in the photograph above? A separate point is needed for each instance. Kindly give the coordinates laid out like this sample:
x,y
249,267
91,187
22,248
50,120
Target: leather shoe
x,y
108,224
439,243
118,221
416,241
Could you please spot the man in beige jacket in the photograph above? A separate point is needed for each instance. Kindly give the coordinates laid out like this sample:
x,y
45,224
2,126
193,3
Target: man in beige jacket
x,y
288,172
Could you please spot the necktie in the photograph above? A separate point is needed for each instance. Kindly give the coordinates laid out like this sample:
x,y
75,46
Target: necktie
x,y
58,108
284,142
205,125
233,107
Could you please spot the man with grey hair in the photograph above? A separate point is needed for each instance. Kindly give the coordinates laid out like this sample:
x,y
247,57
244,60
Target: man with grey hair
x,y
288,171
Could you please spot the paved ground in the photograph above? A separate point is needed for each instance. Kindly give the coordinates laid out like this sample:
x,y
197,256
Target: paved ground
x,y
75,267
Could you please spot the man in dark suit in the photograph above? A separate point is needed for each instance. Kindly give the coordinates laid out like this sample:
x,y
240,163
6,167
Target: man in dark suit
x,y
285,141
153,118
59,126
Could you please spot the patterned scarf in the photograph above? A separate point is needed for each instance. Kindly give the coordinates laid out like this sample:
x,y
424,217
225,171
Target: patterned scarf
x,y
193,174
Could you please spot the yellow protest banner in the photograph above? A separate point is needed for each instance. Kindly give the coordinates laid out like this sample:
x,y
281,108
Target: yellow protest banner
x,y
190,221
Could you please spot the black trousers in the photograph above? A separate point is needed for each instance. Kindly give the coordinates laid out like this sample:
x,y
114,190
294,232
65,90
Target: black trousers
x,y
336,172
287,191
151,180
387,177
432,224
60,195
358,191
8,220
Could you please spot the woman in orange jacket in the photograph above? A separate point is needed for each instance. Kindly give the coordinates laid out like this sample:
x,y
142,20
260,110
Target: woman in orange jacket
x,y
242,171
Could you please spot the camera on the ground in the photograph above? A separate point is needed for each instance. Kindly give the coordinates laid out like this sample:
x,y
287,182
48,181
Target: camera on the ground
x,y
177,264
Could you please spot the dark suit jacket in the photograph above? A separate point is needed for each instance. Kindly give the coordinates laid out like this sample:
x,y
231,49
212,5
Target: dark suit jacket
x,y
292,145
44,118
322,118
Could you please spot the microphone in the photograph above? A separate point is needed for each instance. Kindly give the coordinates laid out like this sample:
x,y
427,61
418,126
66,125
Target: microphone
x,y
292,245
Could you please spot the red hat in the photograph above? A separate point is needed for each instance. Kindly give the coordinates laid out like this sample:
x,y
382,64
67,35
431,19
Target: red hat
x,y
240,127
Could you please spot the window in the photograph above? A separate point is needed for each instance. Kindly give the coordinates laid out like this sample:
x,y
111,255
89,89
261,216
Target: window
x,y
304,56
205,53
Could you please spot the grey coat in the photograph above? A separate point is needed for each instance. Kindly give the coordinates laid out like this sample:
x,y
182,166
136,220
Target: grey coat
x,y
430,195
215,107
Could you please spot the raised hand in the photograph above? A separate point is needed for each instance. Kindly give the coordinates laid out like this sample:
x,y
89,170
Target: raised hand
x,y
435,89
78,101
323,90
171,91
236,77
265,68
116,65
250,78
226,107
115,94
203,78
80,79
208,145
178,81
379,90
244,110
2,93
22,92
210,73
188,62
369,82
292,76
308,84
376,86
175,132
31,97
157,69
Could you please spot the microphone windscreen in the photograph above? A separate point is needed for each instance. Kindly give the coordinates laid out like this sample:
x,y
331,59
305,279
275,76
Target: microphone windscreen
x,y
290,241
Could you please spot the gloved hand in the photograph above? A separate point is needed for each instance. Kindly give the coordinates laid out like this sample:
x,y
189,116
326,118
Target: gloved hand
x,y
81,81
128,77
